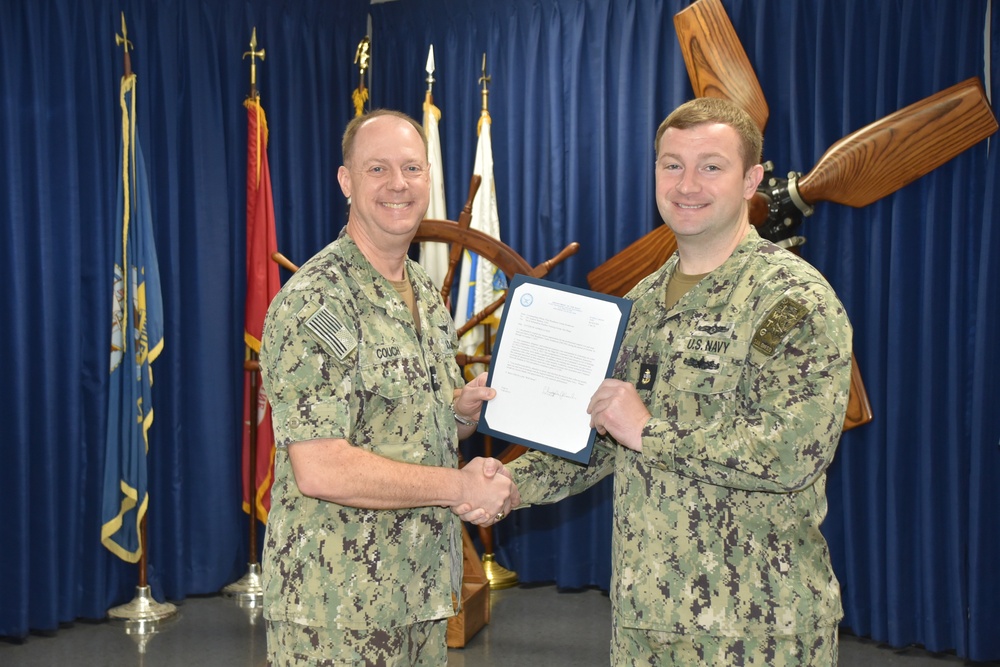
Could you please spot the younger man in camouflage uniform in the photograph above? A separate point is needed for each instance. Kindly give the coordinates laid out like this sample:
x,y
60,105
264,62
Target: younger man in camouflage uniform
x,y
727,405
363,557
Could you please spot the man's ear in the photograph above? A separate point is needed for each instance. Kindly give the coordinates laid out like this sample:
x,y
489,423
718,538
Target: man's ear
x,y
755,175
344,178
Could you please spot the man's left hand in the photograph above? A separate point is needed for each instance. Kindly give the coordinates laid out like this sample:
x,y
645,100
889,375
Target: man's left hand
x,y
617,410
469,399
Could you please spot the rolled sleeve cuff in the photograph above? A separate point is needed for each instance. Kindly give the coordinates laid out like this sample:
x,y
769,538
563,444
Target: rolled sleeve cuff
x,y
310,422
658,443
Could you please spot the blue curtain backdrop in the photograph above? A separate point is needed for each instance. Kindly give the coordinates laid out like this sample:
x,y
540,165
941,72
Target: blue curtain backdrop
x,y
61,127
577,89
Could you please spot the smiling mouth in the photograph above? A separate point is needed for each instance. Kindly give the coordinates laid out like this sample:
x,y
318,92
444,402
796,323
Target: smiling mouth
x,y
689,206
394,205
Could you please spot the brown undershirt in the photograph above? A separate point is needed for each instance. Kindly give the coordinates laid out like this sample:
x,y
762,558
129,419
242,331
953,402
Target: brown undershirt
x,y
405,290
679,284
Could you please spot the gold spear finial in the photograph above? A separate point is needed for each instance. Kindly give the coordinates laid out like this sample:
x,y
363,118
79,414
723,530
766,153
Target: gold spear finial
x,y
485,80
254,54
123,40
360,94
361,55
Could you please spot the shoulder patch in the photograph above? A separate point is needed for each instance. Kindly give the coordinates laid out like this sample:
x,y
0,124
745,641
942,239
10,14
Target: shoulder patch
x,y
331,332
777,324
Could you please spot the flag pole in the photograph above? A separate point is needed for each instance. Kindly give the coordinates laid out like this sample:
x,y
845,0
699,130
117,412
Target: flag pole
x,y
434,255
143,613
485,80
498,576
248,591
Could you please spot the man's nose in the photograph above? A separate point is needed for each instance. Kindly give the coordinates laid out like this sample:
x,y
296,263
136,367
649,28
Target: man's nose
x,y
397,180
688,181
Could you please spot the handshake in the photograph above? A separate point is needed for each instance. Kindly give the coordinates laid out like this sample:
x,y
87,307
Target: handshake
x,y
488,492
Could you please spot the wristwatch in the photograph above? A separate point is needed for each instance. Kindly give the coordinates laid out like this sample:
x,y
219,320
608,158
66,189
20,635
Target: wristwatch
x,y
464,421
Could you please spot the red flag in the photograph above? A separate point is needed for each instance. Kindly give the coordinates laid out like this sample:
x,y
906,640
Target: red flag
x,y
263,283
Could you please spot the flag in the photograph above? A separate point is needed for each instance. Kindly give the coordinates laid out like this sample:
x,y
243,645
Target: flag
x,y
434,255
263,282
480,282
136,342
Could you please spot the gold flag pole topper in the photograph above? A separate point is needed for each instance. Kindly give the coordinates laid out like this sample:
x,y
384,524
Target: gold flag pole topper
x,y
254,54
360,95
123,40
143,614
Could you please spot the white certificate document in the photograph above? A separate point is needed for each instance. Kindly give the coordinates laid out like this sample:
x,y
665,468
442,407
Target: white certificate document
x,y
554,347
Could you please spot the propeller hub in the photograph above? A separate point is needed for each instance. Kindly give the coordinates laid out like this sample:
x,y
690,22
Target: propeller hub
x,y
785,207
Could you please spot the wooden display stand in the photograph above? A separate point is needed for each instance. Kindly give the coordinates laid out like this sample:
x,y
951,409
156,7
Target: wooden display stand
x,y
475,611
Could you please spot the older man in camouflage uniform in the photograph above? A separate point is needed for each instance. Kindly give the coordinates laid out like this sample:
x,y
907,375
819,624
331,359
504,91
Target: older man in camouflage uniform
x,y
727,405
363,555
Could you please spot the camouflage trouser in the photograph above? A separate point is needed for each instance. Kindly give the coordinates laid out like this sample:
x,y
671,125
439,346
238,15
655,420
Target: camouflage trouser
x,y
632,647
418,645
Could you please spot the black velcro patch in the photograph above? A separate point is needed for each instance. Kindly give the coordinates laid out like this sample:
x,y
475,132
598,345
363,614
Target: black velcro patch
x,y
647,376
777,324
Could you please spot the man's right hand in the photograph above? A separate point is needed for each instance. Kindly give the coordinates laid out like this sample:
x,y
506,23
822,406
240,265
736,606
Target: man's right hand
x,y
487,496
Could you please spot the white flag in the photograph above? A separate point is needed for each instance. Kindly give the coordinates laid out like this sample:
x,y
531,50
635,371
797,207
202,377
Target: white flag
x,y
480,282
434,256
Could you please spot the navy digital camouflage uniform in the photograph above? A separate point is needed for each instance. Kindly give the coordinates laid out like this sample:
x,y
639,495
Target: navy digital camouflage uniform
x,y
340,359
716,521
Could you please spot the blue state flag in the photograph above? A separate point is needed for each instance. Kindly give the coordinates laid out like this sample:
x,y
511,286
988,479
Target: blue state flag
x,y
136,341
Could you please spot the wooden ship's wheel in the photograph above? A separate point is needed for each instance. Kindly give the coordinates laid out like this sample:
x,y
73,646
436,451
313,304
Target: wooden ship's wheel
x,y
460,237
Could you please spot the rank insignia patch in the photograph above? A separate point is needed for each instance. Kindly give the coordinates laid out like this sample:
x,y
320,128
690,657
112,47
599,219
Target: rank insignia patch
x,y
647,376
331,332
778,323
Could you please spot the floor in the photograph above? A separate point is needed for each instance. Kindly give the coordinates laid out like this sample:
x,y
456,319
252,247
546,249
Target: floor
x,y
529,626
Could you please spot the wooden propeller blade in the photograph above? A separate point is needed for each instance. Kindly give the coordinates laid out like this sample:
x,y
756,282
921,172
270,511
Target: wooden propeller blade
x,y
881,158
623,271
716,62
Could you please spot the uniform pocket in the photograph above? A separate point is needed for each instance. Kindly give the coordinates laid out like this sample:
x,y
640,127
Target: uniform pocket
x,y
394,378
707,366
705,374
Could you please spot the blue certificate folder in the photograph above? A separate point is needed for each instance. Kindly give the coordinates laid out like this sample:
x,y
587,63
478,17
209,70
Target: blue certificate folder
x,y
555,345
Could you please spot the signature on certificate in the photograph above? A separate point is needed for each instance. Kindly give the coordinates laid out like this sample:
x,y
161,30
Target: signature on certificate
x,y
558,393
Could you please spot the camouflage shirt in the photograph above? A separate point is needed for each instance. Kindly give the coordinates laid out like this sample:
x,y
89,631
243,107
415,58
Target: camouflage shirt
x,y
716,522
340,358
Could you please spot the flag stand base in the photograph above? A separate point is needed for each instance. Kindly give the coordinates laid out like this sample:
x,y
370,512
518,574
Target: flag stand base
x,y
247,590
498,576
143,612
